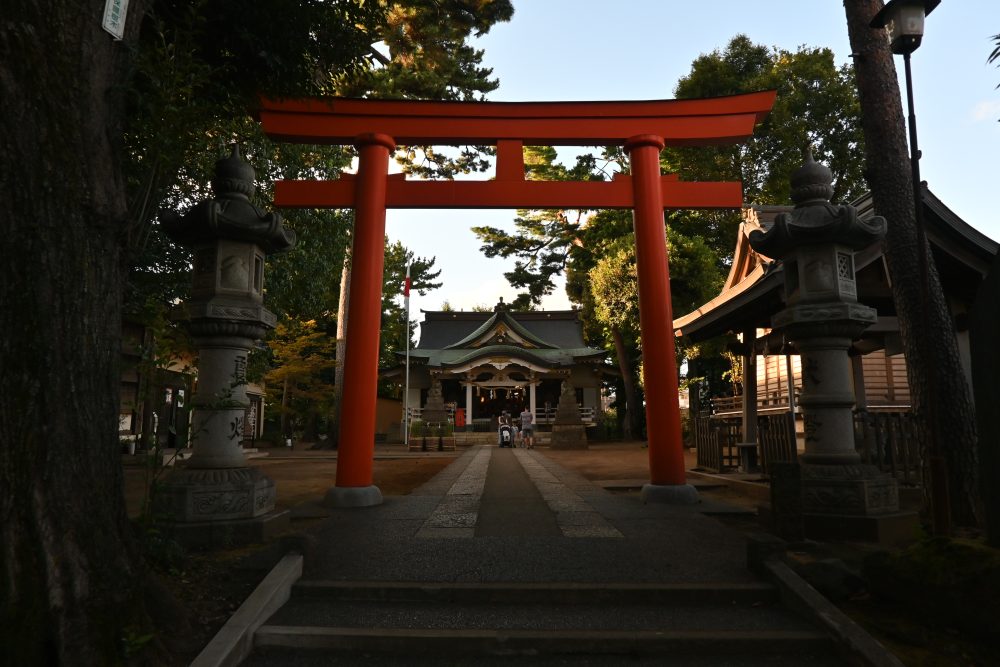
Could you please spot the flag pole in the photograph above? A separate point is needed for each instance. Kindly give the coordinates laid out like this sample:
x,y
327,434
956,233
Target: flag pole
x,y
406,386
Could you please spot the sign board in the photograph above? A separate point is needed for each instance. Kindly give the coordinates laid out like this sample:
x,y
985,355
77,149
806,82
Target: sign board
x,y
114,17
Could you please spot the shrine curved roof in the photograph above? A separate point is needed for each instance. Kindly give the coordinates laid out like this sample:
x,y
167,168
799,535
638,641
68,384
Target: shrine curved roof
x,y
499,318
547,339
549,357
551,329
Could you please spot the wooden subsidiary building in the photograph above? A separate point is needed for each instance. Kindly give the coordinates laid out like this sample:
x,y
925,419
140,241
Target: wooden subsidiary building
x,y
753,293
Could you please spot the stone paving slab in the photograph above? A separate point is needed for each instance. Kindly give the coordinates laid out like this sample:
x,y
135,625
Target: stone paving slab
x,y
623,541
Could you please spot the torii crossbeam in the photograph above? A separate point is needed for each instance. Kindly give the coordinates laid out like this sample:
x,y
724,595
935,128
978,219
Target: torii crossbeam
x,y
642,127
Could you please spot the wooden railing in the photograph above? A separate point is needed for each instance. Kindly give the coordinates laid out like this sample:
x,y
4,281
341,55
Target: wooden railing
x,y
776,439
887,439
716,440
541,415
891,441
724,406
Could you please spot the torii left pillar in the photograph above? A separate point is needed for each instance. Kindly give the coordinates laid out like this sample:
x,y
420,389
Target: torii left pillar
x,y
668,481
355,486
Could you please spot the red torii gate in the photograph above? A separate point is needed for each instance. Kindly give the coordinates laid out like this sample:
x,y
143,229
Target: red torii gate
x,y
375,127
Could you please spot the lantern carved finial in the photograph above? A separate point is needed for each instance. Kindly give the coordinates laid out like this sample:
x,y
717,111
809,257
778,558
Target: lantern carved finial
x,y
229,214
815,220
812,182
233,176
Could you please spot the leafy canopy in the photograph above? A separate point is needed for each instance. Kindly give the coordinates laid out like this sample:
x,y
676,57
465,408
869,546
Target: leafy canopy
x,y
200,69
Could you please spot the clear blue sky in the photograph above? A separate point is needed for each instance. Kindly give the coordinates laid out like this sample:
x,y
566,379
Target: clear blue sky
x,y
638,49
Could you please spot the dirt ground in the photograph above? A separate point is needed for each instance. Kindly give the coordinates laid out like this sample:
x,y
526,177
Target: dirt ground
x,y
304,475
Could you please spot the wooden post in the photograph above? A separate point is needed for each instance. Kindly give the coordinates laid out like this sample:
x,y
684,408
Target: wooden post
x,y
663,419
357,429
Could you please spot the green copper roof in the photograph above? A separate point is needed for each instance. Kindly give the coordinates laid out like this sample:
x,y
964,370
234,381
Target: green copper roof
x,y
500,317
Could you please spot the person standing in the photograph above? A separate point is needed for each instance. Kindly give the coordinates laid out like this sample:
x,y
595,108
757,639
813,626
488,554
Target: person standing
x,y
528,428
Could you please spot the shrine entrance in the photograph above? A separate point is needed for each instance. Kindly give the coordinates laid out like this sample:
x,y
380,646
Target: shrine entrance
x,y
643,128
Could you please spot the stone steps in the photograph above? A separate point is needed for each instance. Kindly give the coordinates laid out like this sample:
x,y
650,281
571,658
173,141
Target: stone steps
x,y
536,623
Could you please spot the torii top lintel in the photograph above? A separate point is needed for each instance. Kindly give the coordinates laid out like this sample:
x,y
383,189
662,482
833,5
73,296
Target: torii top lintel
x,y
509,126
696,122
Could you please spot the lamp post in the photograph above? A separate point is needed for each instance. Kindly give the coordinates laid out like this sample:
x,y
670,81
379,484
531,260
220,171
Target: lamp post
x,y
903,23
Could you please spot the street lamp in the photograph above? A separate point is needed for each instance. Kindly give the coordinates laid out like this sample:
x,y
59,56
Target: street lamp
x,y
903,22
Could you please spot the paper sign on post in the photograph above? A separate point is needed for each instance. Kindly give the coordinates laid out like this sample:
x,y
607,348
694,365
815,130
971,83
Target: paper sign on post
x,y
114,17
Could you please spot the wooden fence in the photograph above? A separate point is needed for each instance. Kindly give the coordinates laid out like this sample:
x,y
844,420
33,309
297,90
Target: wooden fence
x,y
776,439
891,441
715,441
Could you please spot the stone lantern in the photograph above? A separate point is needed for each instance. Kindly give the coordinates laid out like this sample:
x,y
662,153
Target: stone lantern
x,y
816,242
568,431
230,238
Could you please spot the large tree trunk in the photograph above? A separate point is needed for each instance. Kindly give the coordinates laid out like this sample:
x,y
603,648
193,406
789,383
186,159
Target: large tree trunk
x,y
68,564
938,386
630,426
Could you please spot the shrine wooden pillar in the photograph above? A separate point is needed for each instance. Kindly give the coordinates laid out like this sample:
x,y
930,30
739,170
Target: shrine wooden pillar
x,y
354,486
663,419
468,405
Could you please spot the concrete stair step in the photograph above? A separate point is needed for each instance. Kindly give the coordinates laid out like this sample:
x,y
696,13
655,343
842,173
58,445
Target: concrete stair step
x,y
534,621
451,642
527,593
288,657
515,617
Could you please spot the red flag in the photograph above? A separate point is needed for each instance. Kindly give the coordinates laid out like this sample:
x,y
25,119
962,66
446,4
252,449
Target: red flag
x,y
406,287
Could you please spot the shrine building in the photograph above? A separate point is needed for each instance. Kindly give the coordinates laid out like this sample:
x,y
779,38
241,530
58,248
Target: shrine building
x,y
488,362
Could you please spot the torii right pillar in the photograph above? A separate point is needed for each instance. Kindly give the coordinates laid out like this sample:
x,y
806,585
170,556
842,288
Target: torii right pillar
x,y
668,480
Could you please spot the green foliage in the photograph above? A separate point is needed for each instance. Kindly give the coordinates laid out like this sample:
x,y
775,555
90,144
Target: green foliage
x,y
544,238
305,283
199,69
395,328
817,105
428,54
995,53
300,386
134,641
614,284
952,581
